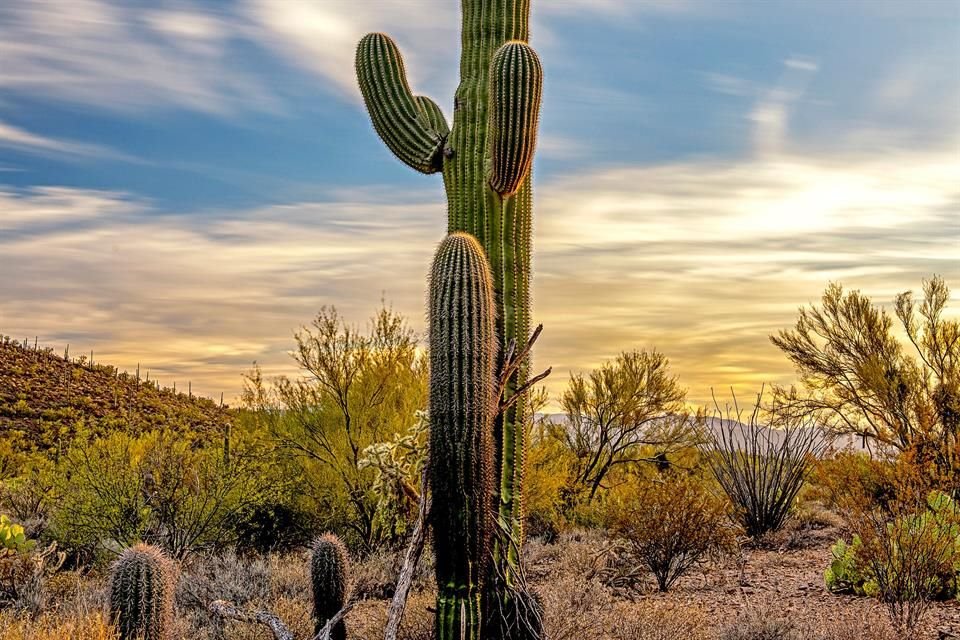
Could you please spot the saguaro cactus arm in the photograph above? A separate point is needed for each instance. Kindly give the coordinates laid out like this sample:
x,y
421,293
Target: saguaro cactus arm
x,y
516,87
413,127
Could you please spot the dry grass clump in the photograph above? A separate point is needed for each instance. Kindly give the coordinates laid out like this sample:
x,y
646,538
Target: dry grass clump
x,y
575,608
368,618
582,553
376,576
660,620
93,626
242,581
760,624
764,621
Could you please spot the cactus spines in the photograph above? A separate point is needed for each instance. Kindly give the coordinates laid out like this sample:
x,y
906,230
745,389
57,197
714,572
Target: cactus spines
x,y
410,125
462,405
329,579
516,81
141,593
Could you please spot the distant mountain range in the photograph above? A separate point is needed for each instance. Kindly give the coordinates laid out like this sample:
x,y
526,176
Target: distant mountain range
x,y
714,425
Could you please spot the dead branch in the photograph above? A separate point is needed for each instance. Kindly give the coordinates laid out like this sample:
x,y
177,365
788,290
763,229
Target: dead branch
x,y
324,634
511,363
224,609
229,611
410,562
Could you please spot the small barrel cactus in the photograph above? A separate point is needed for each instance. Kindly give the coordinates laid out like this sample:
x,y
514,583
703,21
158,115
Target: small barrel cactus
x,y
141,593
329,576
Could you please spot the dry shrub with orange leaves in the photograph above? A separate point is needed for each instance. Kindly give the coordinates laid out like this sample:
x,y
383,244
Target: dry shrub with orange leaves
x,y
671,524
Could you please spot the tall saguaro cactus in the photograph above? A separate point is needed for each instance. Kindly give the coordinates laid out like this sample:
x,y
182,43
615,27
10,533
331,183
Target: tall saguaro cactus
x,y
485,159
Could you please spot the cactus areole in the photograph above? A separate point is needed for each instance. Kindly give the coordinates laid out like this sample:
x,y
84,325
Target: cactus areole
x,y
485,159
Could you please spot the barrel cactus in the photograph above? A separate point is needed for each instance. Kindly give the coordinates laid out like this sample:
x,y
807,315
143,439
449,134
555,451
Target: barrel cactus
x,y
329,578
141,593
485,159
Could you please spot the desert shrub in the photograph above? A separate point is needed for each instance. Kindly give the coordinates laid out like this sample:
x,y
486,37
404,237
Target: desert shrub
x,y
670,525
26,496
273,526
375,576
630,410
547,467
837,478
905,556
162,488
357,388
224,576
761,462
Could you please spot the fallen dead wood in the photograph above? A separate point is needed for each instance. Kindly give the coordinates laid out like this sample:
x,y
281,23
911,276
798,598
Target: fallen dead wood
x,y
228,611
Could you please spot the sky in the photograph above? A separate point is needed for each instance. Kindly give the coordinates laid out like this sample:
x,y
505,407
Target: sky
x,y
184,184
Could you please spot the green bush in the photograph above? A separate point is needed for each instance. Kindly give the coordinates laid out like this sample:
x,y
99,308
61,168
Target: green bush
x,y
179,493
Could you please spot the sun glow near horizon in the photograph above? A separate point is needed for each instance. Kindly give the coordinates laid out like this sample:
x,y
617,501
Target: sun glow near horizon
x,y
694,186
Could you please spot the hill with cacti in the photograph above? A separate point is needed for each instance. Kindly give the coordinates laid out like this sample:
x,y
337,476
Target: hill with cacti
x,y
46,398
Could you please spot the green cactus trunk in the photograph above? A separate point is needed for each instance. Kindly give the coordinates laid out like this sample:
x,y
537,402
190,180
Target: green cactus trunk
x,y
329,580
141,594
462,407
485,159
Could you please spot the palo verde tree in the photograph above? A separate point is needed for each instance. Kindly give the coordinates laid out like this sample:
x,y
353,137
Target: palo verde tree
x,y
861,377
485,159
617,410
357,388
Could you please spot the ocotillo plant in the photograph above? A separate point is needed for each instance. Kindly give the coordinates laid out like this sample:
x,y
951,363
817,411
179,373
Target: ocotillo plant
x,y
462,407
485,159
141,593
329,578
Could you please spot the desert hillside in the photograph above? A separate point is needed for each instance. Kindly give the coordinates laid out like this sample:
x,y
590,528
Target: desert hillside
x,y
46,396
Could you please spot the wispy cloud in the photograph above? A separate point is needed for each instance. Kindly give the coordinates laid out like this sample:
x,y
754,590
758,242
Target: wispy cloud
x,y
18,138
122,57
701,260
771,113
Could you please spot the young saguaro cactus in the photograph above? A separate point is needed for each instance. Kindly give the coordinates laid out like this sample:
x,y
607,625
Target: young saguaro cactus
x,y
141,593
485,159
462,406
329,578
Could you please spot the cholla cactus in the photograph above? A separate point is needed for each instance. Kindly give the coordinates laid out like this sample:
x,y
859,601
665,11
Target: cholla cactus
x,y
141,593
398,464
329,577
485,159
